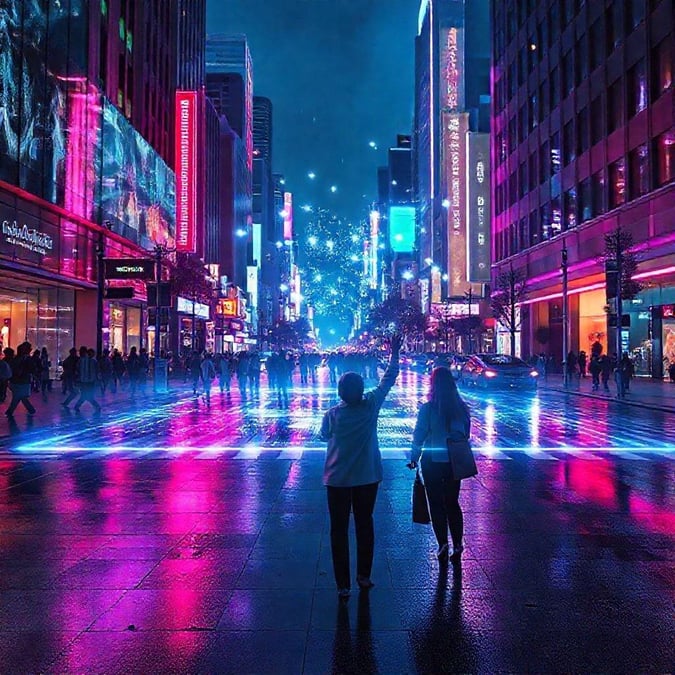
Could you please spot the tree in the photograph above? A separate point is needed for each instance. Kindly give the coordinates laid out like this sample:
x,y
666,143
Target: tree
x,y
398,315
291,334
618,245
189,278
510,289
464,326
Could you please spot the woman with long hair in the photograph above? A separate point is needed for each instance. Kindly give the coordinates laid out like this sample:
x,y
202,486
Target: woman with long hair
x,y
445,417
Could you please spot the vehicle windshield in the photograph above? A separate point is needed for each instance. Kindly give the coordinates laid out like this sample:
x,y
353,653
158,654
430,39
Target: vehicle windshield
x,y
503,360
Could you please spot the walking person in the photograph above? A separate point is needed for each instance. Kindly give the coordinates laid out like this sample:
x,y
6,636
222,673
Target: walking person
x,y
595,368
22,378
118,370
582,363
605,370
208,372
242,373
87,377
444,418
254,372
105,370
5,372
69,376
353,470
45,367
224,373
195,369
143,370
570,367
134,371
626,371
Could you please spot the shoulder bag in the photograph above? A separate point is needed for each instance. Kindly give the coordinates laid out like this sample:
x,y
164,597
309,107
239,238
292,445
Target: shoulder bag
x,y
420,504
461,458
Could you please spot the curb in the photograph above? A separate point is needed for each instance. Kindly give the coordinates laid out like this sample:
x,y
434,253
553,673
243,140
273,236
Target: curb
x,y
612,399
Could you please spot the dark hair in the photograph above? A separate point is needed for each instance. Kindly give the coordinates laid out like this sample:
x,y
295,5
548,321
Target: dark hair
x,y
350,388
445,398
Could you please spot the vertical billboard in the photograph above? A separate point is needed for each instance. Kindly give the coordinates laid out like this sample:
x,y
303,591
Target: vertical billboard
x,y
455,128
288,216
452,60
402,229
478,207
186,170
374,248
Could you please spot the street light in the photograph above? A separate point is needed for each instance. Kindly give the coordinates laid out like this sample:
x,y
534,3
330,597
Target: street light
x,y
333,188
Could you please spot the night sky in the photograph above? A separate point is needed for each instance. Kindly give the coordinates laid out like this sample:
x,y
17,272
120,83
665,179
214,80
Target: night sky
x,y
340,74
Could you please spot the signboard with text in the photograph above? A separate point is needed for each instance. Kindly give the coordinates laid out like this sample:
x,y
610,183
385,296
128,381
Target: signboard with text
x,y
186,170
288,216
452,65
129,268
478,207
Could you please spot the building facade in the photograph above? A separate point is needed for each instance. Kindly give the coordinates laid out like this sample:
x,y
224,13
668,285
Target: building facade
x,y
452,68
583,144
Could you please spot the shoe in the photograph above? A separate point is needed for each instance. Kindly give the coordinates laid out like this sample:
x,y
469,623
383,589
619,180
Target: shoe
x,y
442,554
364,582
456,553
344,593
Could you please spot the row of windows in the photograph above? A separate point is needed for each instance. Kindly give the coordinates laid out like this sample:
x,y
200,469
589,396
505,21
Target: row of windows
x,y
605,114
621,18
625,179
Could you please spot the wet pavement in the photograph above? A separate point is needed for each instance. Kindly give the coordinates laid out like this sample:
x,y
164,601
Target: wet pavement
x,y
166,536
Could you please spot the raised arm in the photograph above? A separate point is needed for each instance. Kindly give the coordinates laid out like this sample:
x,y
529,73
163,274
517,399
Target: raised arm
x,y
390,374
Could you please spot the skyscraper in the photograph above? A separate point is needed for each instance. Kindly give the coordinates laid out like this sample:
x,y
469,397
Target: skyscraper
x,y
451,90
262,128
584,143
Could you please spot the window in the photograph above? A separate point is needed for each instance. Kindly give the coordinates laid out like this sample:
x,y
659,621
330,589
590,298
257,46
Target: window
x,y
554,23
533,111
662,67
614,106
597,53
665,157
568,73
617,183
522,179
524,233
637,88
598,187
511,78
523,128
502,149
542,38
543,101
614,28
585,201
556,216
582,131
570,10
513,135
544,162
568,143
635,13
555,87
535,235
532,170
638,163
545,218
597,119
570,208
522,66
555,153
581,60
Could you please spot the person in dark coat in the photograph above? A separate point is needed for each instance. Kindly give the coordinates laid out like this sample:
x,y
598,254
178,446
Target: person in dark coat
x,y
118,369
22,378
5,372
595,368
69,366
195,368
605,370
582,363
105,370
134,371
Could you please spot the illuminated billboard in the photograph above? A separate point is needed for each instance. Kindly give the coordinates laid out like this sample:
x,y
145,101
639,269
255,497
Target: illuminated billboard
x,y
452,59
186,170
402,229
478,207
288,216
374,246
455,128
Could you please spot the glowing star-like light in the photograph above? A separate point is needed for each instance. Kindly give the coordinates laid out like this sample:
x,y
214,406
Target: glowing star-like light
x,y
445,203
355,258
282,181
355,238
306,208
283,288
312,241
330,244
373,145
240,232
436,269
374,214
311,175
428,261
280,244
333,188
318,277
445,277
398,237
283,214
407,275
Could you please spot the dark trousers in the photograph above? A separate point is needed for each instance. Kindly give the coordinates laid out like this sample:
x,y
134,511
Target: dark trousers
x,y
443,494
87,392
341,501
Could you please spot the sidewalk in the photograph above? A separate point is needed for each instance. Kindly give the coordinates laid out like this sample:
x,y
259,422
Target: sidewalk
x,y
644,392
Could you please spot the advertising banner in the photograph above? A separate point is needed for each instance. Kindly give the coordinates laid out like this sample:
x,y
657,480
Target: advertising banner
x,y
455,128
478,207
288,216
186,170
452,60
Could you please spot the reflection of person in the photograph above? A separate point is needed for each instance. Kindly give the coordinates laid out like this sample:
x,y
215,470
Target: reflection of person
x,y
353,470
444,417
354,655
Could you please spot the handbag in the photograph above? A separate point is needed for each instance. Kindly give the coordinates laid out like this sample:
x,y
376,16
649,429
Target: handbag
x,y
461,458
420,504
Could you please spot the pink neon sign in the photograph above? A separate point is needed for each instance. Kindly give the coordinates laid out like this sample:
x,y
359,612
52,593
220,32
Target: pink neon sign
x,y
186,170
288,216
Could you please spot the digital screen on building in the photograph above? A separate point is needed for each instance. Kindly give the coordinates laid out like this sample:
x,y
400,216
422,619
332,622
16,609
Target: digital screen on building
x,y
402,229
288,216
455,127
478,207
186,170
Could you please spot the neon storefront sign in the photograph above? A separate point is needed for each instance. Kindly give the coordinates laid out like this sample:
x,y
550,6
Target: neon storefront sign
x,y
29,238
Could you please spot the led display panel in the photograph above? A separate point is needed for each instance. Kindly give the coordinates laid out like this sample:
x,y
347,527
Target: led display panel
x,y
402,229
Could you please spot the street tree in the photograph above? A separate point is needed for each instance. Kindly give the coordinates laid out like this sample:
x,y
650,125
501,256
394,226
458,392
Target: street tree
x,y
396,315
189,278
467,326
618,250
509,291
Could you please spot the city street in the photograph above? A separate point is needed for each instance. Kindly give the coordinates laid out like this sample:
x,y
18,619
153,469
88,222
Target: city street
x,y
173,537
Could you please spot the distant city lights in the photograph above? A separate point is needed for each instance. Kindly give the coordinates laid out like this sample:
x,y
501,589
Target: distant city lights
x,y
333,188
313,241
311,175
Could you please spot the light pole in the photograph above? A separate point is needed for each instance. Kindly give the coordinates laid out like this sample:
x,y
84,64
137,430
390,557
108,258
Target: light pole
x,y
160,372
565,317
619,316
100,292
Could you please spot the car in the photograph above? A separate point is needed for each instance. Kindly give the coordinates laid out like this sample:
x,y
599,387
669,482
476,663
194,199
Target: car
x,y
498,371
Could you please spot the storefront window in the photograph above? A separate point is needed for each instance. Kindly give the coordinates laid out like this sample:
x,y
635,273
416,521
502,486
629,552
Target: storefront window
x,y
637,88
662,65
